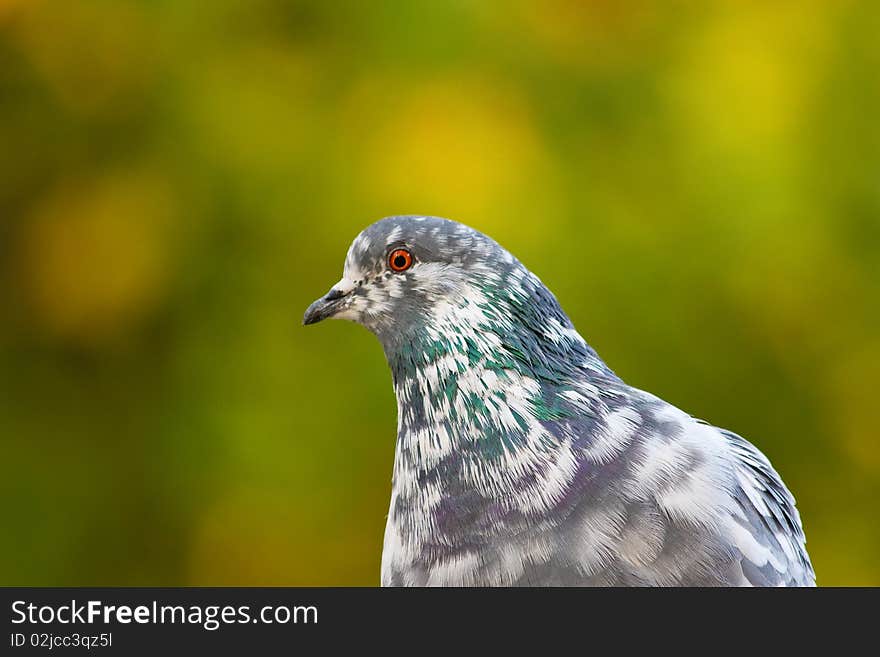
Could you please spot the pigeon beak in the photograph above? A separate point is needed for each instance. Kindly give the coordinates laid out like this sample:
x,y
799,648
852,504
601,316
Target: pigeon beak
x,y
326,306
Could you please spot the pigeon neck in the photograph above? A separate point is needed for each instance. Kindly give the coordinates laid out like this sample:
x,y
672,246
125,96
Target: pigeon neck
x,y
471,397
485,374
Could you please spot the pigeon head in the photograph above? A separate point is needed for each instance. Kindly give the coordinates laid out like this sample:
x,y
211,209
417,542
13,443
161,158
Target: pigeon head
x,y
429,287
403,273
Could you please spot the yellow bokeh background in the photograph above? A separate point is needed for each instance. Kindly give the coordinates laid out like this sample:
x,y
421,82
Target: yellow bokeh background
x,y
697,182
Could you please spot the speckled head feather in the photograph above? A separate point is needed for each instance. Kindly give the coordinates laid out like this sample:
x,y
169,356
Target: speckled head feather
x,y
460,277
522,458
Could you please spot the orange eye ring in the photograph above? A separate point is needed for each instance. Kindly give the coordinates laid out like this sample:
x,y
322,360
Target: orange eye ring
x,y
400,260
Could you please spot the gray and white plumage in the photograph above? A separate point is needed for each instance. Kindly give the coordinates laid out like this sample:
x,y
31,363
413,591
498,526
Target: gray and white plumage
x,y
522,459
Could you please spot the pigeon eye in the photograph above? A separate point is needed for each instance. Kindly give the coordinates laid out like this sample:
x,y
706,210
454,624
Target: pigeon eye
x,y
400,260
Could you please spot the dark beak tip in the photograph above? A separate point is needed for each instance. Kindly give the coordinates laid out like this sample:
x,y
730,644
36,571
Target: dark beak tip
x,y
311,316
323,308
319,310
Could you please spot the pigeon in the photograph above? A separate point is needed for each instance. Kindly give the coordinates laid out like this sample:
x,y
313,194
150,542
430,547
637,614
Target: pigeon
x,y
522,459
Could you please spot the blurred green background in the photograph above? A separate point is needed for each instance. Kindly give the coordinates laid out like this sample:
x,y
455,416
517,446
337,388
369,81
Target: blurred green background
x,y
699,183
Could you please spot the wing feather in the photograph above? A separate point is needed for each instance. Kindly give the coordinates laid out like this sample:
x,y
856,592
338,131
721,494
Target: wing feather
x,y
770,518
